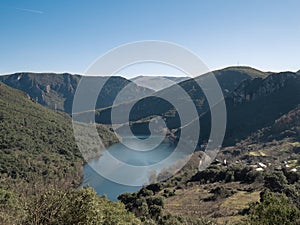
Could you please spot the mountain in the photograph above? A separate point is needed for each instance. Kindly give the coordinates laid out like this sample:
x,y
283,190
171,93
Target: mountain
x,y
257,169
258,103
37,146
56,91
157,83
228,78
287,126
276,145
253,101
261,159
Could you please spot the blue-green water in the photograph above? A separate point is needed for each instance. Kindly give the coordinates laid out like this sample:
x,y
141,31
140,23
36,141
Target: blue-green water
x,y
111,189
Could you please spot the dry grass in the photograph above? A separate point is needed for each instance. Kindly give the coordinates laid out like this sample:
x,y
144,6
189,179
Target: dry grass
x,y
192,201
257,153
240,200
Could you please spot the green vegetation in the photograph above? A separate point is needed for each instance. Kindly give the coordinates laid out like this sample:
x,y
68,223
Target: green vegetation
x,y
273,208
54,206
220,192
224,194
40,164
233,173
149,208
37,144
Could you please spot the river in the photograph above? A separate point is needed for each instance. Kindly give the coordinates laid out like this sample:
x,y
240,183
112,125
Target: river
x,y
123,153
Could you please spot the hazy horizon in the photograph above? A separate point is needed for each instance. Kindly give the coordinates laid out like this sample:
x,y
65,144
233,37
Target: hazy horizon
x,y
135,75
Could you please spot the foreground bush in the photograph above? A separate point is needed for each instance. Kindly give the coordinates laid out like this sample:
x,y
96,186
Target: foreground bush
x,y
273,209
81,206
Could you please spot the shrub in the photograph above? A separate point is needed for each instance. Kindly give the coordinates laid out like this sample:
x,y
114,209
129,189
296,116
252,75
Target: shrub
x,y
80,206
274,208
276,181
220,192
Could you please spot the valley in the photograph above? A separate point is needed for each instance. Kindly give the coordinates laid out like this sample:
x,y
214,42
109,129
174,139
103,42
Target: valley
x,y
149,112
259,156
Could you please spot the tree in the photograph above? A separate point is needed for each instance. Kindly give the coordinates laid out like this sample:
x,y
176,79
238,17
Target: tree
x,y
273,209
276,181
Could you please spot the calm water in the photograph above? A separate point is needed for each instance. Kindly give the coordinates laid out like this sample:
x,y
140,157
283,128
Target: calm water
x,y
138,158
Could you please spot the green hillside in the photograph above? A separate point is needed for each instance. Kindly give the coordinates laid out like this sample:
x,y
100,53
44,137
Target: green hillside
x,y
37,144
40,165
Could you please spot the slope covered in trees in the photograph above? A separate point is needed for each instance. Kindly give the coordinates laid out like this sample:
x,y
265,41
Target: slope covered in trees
x,y
37,144
40,165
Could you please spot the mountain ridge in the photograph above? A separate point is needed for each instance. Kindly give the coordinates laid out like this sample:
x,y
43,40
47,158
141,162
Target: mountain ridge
x,y
56,91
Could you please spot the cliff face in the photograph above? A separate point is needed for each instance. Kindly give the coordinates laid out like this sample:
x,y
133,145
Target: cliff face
x,y
54,91
256,104
250,90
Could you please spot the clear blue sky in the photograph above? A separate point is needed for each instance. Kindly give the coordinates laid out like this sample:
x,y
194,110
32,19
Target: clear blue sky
x,y
66,36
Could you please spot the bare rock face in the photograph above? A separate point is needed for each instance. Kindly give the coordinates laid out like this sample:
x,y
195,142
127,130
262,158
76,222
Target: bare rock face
x,y
48,89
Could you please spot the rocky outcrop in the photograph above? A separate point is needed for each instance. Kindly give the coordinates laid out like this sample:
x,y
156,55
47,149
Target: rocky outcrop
x,y
250,90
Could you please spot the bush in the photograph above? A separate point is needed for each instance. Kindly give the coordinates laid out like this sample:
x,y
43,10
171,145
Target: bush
x,y
227,174
143,205
274,208
81,206
167,193
154,187
11,211
144,192
220,192
276,181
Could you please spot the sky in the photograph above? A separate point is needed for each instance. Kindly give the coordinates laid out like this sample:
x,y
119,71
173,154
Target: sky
x,y
67,36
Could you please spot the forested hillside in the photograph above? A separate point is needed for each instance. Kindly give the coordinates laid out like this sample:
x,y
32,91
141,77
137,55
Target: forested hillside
x,y
40,165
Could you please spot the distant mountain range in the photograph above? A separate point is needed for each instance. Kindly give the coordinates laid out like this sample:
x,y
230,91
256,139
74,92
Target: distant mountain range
x,y
157,83
228,78
260,150
254,99
56,91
